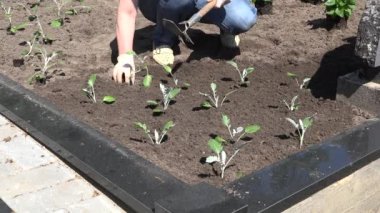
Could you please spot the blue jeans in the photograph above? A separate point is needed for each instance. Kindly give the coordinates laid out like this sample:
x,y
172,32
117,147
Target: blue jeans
x,y
236,17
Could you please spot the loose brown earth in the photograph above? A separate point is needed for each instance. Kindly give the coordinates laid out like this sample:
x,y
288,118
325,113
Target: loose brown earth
x,y
293,39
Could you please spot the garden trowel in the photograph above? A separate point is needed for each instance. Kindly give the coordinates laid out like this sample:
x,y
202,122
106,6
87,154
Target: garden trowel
x,y
181,28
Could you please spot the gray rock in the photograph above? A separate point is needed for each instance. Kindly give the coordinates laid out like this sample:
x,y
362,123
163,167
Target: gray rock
x,y
367,42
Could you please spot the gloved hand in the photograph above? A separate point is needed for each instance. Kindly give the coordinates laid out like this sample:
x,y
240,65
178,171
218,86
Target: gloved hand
x,y
125,67
220,3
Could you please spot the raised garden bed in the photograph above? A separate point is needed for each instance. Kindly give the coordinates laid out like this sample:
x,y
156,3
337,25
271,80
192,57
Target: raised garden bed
x,y
170,176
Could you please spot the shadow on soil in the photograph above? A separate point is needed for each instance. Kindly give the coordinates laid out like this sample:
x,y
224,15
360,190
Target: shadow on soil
x,y
334,64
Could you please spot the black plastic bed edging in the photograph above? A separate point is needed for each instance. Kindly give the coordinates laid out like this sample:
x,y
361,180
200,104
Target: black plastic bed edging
x,y
4,208
138,185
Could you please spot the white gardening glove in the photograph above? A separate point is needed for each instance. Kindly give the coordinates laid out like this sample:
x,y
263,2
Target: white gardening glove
x,y
125,67
220,3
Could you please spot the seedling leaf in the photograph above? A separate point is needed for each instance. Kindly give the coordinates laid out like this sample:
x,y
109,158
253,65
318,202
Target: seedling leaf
x,y
226,120
152,103
252,129
212,159
167,69
91,80
215,146
109,99
291,75
293,123
56,23
307,122
168,125
234,64
174,92
223,157
249,70
220,139
147,81
213,87
206,105
141,126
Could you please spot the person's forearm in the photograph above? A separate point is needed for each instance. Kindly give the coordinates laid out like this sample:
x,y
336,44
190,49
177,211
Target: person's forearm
x,y
125,27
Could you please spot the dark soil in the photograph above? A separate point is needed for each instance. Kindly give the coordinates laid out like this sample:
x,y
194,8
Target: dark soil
x,y
292,39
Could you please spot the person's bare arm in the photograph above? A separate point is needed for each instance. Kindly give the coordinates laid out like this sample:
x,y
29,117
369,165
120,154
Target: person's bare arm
x,y
125,30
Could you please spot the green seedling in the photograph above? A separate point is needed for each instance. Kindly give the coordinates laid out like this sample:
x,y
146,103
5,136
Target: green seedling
x,y
90,91
340,8
60,4
216,145
302,85
12,29
213,100
241,131
148,78
293,105
158,137
301,127
169,70
168,94
46,63
109,99
242,74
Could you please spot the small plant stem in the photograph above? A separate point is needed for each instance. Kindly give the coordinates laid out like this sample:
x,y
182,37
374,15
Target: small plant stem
x,y
40,26
150,138
297,82
216,99
229,130
240,137
93,94
225,96
229,160
302,137
162,137
8,14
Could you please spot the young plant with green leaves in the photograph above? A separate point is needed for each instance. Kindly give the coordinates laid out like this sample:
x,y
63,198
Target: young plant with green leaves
x,y
240,131
8,12
168,94
214,99
142,66
301,127
46,63
293,105
301,85
90,90
157,137
242,74
340,8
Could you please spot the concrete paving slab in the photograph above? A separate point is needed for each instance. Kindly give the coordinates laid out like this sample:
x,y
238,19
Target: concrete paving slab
x,y
24,153
8,166
9,131
97,204
33,180
55,197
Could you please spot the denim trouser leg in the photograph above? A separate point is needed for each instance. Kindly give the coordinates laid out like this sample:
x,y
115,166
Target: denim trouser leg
x,y
175,10
236,17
